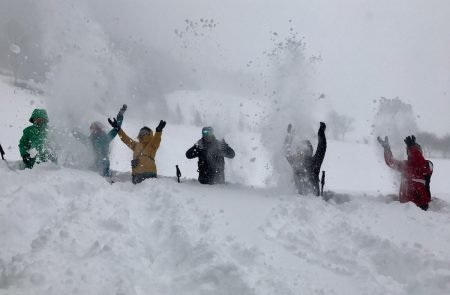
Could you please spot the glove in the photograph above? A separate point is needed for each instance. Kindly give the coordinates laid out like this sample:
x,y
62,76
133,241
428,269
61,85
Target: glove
x,y
161,126
121,112
410,141
289,129
114,124
322,128
224,145
384,143
28,160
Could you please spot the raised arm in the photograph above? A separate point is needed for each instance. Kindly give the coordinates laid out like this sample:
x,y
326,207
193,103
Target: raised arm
x,y
80,137
127,140
321,146
2,152
122,135
119,118
288,145
391,161
156,141
228,152
388,157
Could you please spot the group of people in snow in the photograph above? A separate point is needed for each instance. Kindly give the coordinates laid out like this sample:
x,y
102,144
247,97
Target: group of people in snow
x,y
35,147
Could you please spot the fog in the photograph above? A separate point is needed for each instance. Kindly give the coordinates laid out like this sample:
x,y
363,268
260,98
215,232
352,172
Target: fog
x,y
93,55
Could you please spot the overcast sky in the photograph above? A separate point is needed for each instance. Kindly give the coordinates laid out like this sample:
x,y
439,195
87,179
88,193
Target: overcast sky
x,y
369,48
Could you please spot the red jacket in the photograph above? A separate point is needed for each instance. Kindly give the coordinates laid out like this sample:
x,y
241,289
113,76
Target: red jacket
x,y
416,174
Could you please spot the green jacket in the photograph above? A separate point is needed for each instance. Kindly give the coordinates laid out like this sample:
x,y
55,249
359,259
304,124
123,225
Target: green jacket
x,y
35,137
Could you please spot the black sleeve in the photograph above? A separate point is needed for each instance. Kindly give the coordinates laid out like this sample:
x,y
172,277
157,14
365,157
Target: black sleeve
x,y
228,152
193,152
320,151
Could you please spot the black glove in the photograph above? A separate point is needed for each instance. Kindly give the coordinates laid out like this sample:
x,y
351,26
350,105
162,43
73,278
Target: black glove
x,y
384,143
322,128
410,141
289,129
28,160
224,145
121,112
161,126
114,124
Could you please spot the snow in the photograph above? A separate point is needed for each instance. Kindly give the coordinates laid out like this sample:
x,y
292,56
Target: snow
x,y
68,231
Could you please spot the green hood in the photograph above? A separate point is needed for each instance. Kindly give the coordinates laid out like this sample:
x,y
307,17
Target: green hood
x,y
39,113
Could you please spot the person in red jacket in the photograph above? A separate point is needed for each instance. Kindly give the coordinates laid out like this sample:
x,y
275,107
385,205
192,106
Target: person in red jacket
x,y
416,172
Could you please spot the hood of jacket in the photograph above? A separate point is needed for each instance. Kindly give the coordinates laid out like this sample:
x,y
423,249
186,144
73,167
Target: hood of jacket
x,y
38,113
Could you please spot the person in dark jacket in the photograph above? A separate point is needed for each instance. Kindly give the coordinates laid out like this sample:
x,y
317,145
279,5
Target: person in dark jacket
x,y
416,172
34,145
210,153
305,163
100,141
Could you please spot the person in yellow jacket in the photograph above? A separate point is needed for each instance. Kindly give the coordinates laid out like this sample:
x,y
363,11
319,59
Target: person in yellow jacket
x,y
143,165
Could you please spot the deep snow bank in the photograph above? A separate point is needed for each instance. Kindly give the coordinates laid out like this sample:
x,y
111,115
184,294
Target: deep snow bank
x,y
66,231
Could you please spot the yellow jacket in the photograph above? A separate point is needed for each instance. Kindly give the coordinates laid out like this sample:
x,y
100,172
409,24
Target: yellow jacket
x,y
144,150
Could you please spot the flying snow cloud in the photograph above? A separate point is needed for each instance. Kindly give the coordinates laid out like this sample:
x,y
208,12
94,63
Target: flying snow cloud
x,y
149,49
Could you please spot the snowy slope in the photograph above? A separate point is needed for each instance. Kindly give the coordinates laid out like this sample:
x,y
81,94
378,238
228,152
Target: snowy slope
x,y
67,231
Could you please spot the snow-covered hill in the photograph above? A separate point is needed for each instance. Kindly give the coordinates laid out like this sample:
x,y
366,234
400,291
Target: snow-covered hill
x,y
70,232
67,231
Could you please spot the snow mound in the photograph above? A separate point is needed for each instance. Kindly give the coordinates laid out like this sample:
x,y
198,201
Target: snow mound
x,y
67,231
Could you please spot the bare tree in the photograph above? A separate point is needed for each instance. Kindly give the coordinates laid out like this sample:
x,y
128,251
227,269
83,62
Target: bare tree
x,y
339,125
444,146
179,115
429,142
395,119
197,118
433,145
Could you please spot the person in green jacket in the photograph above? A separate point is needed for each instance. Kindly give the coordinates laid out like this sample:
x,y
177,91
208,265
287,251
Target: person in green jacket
x,y
100,141
34,145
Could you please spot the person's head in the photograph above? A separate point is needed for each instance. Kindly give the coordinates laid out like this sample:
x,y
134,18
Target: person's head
x,y
304,149
39,117
208,133
97,127
145,134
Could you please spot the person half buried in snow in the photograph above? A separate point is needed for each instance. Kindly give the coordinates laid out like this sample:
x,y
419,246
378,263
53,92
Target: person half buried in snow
x,y
304,162
210,153
143,165
100,141
416,172
35,146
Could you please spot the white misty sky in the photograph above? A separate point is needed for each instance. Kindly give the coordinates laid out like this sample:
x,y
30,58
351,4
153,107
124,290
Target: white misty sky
x,y
370,48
